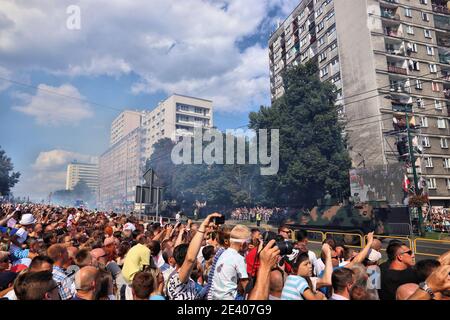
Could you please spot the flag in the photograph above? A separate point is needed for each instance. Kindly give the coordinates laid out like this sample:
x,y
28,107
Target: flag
x,y
405,183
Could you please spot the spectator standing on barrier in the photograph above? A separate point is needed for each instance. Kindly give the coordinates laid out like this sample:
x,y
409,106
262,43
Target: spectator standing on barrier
x,y
399,270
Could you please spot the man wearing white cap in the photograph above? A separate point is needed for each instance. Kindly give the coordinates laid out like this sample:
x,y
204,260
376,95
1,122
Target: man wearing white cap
x,y
231,270
27,223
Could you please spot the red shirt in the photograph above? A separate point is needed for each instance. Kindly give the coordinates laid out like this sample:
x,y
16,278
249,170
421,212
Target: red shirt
x,y
252,263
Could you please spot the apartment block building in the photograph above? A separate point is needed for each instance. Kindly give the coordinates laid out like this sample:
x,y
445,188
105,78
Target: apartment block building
x,y
126,122
86,172
134,133
383,56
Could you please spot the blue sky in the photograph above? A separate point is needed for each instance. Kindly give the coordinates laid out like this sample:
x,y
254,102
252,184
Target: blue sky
x,y
126,55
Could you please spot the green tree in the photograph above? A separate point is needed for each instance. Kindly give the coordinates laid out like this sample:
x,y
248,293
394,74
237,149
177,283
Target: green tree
x,y
313,155
8,178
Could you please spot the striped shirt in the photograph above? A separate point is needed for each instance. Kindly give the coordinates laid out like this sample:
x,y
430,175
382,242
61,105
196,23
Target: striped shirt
x,y
294,287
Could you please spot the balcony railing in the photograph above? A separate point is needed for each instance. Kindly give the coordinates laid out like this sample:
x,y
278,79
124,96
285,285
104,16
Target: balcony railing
x,y
398,70
392,33
440,9
446,93
392,1
390,15
444,59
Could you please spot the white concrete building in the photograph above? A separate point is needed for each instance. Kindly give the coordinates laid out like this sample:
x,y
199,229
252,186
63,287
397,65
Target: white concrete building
x,y
133,134
86,172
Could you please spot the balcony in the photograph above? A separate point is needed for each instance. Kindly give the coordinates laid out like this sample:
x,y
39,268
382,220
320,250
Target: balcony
x,y
393,32
442,22
443,42
446,93
397,70
444,56
399,87
390,15
440,9
390,3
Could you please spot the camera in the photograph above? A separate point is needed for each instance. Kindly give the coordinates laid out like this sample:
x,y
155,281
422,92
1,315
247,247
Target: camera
x,y
285,247
219,220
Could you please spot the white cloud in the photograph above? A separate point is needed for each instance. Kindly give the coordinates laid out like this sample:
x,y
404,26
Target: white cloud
x,y
56,106
48,173
188,46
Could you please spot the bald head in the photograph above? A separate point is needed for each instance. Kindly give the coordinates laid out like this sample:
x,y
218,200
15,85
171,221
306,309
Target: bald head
x,y
276,281
406,290
85,278
376,244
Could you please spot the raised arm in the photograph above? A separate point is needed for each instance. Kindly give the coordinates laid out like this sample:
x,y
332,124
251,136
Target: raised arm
x,y
364,252
194,247
325,281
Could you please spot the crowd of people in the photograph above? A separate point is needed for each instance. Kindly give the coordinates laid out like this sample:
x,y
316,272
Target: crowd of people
x,y
251,214
438,219
50,253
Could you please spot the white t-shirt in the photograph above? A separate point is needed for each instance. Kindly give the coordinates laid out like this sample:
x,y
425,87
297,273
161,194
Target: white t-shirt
x,y
374,281
319,266
230,268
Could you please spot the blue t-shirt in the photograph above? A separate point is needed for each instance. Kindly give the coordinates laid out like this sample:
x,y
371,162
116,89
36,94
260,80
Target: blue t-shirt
x,y
294,288
157,297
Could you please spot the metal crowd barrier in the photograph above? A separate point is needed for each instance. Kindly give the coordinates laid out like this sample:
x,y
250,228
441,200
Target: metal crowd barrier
x,y
438,246
315,236
348,238
389,238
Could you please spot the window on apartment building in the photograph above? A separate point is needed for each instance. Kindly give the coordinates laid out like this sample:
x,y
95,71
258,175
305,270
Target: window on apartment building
x,y
426,142
437,105
441,123
431,183
304,55
303,41
319,11
430,51
333,46
425,16
330,15
408,13
324,71
446,163
409,29
424,122
429,162
320,26
432,67
419,84
420,103
332,31
414,65
434,86
423,1
414,47
427,33
444,143
336,78
448,183
321,41
322,56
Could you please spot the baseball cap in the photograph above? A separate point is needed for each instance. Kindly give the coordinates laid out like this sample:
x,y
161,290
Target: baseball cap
x,y
129,226
374,255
